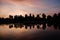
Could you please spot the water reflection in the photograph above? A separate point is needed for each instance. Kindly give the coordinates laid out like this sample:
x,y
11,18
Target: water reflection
x,y
29,31
33,26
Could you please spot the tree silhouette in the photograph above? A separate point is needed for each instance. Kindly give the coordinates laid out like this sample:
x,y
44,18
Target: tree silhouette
x,y
31,19
44,17
55,18
49,19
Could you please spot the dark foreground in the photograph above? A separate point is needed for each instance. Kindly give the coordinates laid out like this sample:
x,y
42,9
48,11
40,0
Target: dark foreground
x,y
30,27
29,32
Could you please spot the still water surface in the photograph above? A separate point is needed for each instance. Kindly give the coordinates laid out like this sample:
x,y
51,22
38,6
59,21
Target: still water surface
x,y
30,32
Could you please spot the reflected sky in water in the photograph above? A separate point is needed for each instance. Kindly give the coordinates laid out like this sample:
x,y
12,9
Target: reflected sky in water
x,y
36,32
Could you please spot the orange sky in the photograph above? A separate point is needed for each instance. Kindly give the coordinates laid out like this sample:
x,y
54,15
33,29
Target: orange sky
x,y
21,7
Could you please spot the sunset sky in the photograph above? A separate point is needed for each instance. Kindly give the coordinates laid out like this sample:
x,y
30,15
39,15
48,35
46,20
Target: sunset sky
x,y
21,7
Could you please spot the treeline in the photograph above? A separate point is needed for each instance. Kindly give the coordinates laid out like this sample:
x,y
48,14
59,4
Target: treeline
x,y
31,19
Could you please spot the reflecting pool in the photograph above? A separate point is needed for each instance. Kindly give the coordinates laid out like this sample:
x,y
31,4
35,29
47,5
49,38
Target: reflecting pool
x,y
29,32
